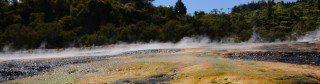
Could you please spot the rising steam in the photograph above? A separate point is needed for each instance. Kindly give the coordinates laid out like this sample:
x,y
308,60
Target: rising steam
x,y
311,37
187,42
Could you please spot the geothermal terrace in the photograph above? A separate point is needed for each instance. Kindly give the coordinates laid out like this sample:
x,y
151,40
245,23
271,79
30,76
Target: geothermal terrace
x,y
14,69
304,54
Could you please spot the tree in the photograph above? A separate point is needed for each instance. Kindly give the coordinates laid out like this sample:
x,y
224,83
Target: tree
x,y
318,4
180,9
269,8
63,23
199,14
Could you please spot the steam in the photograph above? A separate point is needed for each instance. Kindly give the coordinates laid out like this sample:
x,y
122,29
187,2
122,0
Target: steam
x,y
311,37
255,37
187,42
43,45
6,48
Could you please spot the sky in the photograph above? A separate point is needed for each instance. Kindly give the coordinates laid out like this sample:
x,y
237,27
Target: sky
x,y
205,5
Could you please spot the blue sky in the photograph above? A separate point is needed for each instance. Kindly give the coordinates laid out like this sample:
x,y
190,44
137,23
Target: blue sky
x,y
204,5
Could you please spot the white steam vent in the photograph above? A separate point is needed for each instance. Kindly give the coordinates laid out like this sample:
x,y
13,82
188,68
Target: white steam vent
x,y
311,37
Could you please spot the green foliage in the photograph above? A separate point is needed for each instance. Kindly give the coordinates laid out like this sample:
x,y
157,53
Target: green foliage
x,y
64,23
180,9
216,26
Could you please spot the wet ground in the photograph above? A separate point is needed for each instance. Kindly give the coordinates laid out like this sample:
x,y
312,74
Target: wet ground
x,y
11,70
15,69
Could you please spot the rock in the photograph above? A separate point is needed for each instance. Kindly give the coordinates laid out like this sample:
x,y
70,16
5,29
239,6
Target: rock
x,y
312,58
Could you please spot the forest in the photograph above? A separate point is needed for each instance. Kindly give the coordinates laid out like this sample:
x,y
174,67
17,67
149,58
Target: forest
x,y
30,24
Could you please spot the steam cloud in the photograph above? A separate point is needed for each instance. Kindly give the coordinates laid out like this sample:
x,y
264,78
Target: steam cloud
x,y
187,42
311,37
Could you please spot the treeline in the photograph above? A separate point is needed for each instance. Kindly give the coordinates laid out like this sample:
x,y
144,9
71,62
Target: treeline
x,y
279,21
28,24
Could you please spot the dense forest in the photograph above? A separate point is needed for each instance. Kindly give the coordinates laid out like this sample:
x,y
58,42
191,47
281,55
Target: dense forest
x,y
29,24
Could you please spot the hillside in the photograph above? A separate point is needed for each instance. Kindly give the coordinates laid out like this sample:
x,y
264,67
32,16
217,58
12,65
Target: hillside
x,y
30,24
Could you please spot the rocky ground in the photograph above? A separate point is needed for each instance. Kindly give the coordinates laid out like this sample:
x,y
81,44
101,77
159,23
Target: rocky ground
x,y
11,70
312,58
296,53
296,63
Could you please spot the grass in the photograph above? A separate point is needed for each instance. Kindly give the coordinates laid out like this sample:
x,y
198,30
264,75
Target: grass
x,y
194,66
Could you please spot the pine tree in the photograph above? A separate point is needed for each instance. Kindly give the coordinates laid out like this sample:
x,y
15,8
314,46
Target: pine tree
x,y
180,9
318,3
270,10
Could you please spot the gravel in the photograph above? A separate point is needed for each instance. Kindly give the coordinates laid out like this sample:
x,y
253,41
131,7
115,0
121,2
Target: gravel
x,y
11,70
310,58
